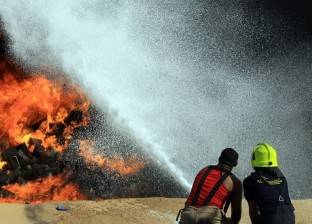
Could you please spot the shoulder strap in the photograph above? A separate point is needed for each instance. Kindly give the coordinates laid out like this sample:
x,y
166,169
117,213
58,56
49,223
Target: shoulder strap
x,y
200,185
216,187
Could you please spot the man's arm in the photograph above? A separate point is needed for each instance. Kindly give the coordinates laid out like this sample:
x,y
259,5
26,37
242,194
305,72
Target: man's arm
x,y
252,198
253,211
236,201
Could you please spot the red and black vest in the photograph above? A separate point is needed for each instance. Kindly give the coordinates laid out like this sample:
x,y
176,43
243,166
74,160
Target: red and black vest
x,y
208,188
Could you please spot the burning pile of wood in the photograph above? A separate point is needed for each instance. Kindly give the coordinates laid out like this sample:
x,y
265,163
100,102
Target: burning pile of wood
x,y
38,121
38,117
31,160
23,163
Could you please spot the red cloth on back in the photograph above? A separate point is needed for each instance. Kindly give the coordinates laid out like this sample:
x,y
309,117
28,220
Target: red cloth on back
x,y
218,199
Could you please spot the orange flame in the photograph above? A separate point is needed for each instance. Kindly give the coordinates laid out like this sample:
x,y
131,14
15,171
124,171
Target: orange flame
x,y
115,163
39,108
53,188
37,101
36,107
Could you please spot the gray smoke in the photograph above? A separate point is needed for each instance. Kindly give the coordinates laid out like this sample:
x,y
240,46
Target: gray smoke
x,y
184,77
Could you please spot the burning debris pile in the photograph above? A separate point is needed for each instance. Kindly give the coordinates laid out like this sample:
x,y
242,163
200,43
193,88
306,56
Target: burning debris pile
x,y
48,149
48,145
37,120
19,164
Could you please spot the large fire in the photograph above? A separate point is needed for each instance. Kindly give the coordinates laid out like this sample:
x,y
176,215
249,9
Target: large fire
x,y
36,107
38,117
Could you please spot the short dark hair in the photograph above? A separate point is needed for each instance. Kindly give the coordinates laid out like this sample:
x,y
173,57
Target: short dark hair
x,y
229,157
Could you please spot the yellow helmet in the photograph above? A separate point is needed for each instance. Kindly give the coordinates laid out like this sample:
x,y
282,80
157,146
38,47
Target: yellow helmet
x,y
264,155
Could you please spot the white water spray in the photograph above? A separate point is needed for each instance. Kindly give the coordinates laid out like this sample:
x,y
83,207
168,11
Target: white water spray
x,y
94,45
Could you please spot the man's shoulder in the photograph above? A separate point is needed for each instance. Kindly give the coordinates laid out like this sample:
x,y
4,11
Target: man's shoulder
x,y
249,184
251,178
235,178
237,183
202,171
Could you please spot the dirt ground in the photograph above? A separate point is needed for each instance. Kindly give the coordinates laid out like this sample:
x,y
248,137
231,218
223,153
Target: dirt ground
x,y
116,211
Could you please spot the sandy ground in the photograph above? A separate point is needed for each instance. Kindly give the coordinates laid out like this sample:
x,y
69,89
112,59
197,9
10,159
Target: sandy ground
x,y
117,211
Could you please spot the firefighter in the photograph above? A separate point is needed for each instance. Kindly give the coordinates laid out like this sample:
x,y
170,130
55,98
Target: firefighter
x,y
266,189
213,190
